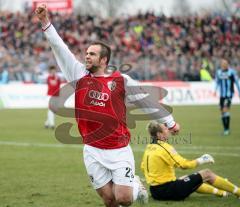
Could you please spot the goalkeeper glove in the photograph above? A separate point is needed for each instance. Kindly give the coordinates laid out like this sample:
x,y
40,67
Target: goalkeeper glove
x,y
206,158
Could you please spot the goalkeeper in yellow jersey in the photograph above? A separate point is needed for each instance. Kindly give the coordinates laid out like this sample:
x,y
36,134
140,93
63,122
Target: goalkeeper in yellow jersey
x,y
159,162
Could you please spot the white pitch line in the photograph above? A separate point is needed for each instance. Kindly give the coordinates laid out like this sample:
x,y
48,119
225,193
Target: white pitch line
x,y
27,144
181,147
137,149
210,152
210,147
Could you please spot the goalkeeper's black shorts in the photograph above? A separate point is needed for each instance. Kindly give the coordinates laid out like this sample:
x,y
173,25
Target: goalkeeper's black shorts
x,y
178,189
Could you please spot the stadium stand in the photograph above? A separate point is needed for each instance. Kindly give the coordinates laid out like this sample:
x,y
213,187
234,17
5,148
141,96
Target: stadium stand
x,y
158,47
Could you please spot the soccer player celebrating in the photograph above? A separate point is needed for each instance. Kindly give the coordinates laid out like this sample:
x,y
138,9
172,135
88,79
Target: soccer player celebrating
x,y
53,83
225,79
159,162
100,104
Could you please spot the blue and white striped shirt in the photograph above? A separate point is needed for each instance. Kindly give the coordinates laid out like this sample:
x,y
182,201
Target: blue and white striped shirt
x,y
225,80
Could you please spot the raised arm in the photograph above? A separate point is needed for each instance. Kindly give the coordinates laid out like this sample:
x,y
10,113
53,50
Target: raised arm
x,y
69,65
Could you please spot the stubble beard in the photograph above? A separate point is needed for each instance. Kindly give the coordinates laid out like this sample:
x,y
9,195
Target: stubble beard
x,y
93,69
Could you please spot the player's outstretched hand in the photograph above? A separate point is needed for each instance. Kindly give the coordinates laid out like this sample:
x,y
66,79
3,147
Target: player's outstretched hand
x,y
206,158
175,130
42,14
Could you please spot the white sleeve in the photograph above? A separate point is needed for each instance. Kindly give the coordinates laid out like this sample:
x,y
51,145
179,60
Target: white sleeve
x,y
136,94
69,65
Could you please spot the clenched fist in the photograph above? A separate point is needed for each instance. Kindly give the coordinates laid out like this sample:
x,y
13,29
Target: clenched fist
x,y
175,130
42,14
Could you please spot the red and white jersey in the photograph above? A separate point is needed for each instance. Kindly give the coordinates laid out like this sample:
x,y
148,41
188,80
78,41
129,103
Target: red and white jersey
x,y
100,111
53,82
100,107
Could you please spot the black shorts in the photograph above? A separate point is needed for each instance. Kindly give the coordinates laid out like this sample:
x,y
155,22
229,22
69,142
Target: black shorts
x,y
225,102
178,189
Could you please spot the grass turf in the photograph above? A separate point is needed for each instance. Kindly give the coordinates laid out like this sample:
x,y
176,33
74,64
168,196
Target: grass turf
x,y
37,171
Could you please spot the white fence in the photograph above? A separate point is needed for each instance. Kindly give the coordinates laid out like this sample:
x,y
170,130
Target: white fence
x,y
191,93
179,93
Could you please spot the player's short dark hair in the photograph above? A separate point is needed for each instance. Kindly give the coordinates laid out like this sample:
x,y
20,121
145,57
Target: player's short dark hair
x,y
52,67
153,128
105,50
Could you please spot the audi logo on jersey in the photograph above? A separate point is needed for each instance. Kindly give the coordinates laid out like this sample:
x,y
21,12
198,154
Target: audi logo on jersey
x,y
98,95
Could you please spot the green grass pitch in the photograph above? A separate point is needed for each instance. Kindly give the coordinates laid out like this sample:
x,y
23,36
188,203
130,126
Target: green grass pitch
x,y
37,171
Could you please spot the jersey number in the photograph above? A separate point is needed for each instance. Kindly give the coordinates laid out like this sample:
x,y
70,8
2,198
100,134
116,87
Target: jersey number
x,y
129,173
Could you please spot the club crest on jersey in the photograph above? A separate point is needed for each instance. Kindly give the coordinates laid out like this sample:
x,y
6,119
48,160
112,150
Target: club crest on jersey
x,y
111,85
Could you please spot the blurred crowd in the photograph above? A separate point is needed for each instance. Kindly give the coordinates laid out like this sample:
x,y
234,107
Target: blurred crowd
x,y
157,47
